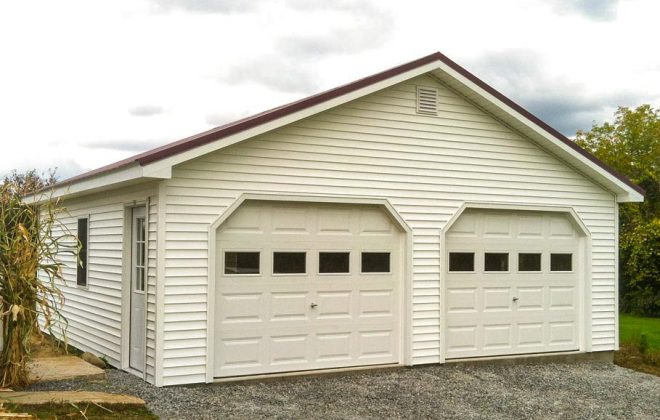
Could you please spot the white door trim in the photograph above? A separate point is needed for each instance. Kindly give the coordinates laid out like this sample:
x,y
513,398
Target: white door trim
x,y
405,305
584,290
127,237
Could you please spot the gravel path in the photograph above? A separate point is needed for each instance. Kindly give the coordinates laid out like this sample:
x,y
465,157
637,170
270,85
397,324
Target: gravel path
x,y
583,390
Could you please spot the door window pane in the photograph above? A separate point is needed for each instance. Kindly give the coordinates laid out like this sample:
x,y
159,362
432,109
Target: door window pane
x,y
561,262
289,262
529,262
81,272
375,262
241,263
461,261
496,261
334,262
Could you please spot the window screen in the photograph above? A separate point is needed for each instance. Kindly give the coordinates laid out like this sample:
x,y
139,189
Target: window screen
x,y
375,262
81,274
241,263
334,262
461,261
289,262
496,261
561,262
529,262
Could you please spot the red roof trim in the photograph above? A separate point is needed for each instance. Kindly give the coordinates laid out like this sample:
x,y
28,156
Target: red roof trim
x,y
226,130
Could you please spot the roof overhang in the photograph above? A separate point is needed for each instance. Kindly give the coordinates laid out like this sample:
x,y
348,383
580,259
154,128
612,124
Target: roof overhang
x,y
158,163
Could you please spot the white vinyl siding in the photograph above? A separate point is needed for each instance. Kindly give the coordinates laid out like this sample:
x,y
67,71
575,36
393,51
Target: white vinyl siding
x,y
94,312
377,146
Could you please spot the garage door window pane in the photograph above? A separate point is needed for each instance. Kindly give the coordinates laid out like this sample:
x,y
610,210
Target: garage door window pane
x,y
529,262
334,262
461,261
289,262
375,262
241,263
496,261
561,262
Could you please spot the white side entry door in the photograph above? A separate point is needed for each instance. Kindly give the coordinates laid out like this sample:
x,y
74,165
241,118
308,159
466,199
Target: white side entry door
x,y
138,280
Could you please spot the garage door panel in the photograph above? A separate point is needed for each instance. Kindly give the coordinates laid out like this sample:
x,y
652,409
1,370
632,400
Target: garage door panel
x,y
529,226
376,303
289,306
270,323
531,334
496,299
462,338
531,298
562,297
289,349
513,311
334,347
334,304
376,344
334,222
496,226
462,300
497,336
562,333
241,352
241,307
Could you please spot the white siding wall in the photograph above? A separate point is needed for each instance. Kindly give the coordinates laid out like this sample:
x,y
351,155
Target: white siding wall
x,y
376,146
94,312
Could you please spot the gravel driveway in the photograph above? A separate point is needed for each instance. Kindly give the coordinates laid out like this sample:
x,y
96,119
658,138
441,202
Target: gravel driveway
x,y
582,390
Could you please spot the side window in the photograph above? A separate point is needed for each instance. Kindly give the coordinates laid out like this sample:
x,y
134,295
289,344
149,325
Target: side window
x,y
242,263
496,261
529,262
375,262
334,262
561,262
461,261
83,236
289,262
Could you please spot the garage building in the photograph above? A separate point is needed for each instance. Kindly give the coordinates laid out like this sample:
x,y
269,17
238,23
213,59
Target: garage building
x,y
414,216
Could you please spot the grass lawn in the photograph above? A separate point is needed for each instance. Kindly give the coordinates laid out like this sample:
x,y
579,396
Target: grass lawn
x,y
637,353
632,327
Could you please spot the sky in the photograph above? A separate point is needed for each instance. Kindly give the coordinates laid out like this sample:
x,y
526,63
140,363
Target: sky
x,y
84,83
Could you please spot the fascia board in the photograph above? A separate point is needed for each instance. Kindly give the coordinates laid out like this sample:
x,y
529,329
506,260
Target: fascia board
x,y
98,183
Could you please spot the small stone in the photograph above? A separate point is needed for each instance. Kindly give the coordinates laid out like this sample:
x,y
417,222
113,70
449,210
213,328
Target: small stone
x,y
93,359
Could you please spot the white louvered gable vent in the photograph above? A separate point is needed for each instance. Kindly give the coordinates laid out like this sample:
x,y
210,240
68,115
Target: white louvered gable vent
x,y
427,100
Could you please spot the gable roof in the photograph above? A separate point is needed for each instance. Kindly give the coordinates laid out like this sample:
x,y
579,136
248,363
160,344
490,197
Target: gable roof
x,y
157,163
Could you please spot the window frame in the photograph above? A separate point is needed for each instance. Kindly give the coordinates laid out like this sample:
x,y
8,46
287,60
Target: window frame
x,y
251,250
375,251
474,261
550,270
540,270
287,251
82,272
508,263
326,251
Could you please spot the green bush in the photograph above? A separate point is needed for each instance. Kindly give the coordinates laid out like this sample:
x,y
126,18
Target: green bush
x,y
640,254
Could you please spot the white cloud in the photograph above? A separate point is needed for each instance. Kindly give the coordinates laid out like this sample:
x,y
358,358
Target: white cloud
x,y
77,74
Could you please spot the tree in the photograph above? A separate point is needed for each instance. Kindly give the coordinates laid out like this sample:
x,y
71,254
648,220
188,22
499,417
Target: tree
x,y
31,238
631,145
24,183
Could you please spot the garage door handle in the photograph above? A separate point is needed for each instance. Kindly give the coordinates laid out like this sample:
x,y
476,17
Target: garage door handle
x,y
515,299
313,305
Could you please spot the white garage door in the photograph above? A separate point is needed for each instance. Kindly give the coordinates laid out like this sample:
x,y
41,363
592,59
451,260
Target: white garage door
x,y
306,286
512,284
